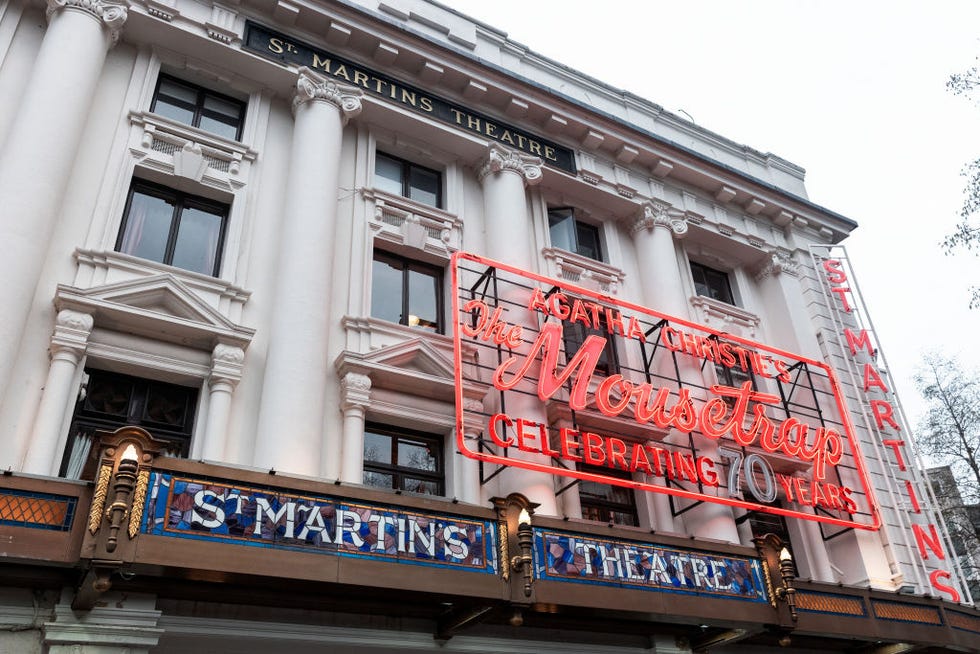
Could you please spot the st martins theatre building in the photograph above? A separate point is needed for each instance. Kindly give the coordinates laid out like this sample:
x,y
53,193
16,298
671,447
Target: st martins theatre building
x,y
355,326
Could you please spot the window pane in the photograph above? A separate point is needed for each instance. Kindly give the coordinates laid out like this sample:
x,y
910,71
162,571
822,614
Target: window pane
x,y
417,455
378,479
712,283
109,395
177,93
232,111
424,185
562,225
220,126
424,486
386,290
377,447
388,175
147,227
588,241
423,290
175,101
166,405
197,240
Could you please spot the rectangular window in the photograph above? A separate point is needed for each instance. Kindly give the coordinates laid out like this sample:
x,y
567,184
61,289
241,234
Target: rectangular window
x,y
606,503
568,233
112,400
164,225
402,459
712,283
400,177
406,292
199,107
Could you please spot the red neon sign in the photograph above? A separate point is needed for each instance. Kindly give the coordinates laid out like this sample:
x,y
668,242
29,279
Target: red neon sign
x,y
779,440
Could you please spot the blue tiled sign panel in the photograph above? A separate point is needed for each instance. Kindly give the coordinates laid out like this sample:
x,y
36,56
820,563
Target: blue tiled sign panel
x,y
219,511
581,558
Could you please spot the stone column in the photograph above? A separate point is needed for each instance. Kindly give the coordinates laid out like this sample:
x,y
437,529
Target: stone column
x,y
290,424
786,310
36,159
227,362
509,239
653,232
355,398
68,345
467,469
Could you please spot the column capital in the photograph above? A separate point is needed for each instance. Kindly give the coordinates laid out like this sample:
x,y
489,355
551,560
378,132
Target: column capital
x,y
355,389
312,87
71,333
108,15
227,362
500,159
657,213
777,264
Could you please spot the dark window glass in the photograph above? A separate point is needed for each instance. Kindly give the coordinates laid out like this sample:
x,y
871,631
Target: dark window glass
x,y
199,107
406,292
607,503
111,401
573,235
574,335
400,177
402,459
712,283
174,228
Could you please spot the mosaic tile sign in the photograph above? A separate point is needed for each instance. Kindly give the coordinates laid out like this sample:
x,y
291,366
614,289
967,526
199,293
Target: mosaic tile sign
x,y
579,558
254,516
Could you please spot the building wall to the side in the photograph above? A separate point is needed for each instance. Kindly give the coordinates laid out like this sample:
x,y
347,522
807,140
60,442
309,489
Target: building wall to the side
x,y
159,322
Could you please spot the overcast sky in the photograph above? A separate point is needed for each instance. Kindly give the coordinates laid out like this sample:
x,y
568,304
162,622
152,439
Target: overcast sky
x,y
852,91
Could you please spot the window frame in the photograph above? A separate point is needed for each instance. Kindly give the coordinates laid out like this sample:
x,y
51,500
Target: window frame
x,y
577,224
435,443
199,109
406,168
408,264
181,200
608,508
697,268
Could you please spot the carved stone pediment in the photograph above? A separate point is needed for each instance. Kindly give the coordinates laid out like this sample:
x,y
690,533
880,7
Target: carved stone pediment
x,y
414,366
158,306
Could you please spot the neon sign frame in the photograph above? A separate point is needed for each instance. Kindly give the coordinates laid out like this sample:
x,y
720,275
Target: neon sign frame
x,y
501,338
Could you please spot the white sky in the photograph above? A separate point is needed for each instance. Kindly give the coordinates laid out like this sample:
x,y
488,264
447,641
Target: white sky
x,y
853,91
